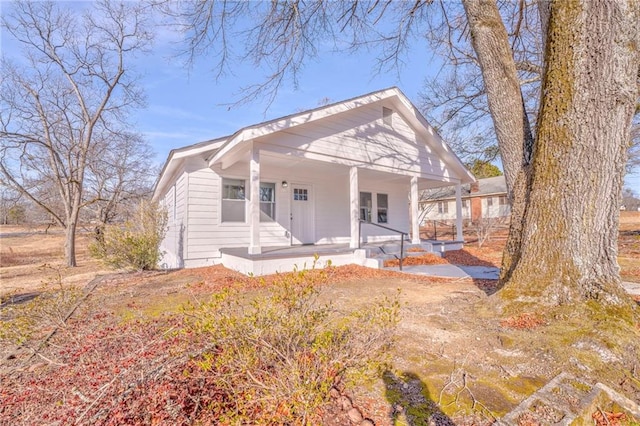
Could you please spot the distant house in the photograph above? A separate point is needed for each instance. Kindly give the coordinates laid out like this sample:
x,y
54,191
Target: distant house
x,y
486,198
270,191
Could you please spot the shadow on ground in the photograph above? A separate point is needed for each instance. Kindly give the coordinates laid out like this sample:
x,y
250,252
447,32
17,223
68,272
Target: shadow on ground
x,y
17,299
411,401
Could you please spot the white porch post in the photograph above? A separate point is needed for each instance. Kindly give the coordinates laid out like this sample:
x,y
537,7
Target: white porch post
x,y
254,202
415,214
459,236
354,203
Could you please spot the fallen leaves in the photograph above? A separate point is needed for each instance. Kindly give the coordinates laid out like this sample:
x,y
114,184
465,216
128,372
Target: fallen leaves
x,y
470,256
525,321
425,259
608,418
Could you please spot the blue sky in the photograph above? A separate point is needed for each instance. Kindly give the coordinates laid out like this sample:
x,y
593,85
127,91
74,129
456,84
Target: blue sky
x,y
188,105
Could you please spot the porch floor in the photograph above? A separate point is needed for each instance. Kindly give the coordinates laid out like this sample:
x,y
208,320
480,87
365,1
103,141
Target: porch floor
x,y
281,252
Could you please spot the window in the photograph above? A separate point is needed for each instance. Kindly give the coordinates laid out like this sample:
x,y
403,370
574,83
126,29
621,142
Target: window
x,y
300,194
267,202
502,200
443,207
365,206
233,196
383,205
465,204
387,116
489,201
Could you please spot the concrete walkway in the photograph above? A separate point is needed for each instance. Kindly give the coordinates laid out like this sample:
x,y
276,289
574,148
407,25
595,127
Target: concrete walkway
x,y
632,288
452,271
480,273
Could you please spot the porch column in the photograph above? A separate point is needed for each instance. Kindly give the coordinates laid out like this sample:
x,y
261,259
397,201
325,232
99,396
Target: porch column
x,y
415,214
354,203
459,236
254,202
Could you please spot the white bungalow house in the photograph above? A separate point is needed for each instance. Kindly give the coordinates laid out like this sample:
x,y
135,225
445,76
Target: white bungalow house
x,y
271,195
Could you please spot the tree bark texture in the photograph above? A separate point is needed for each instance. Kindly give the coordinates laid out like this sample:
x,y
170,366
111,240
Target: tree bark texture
x,y
569,242
513,132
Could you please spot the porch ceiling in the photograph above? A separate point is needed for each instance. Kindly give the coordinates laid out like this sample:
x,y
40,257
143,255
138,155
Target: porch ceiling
x,y
290,165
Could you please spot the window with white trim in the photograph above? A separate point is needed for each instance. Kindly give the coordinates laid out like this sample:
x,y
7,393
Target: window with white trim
x,y
233,200
383,207
465,204
443,207
365,206
502,200
489,201
267,202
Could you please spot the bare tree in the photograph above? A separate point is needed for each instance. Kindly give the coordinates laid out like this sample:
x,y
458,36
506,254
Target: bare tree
x,y
119,175
71,86
9,199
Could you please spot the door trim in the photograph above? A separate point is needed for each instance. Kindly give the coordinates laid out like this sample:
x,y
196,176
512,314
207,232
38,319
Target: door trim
x,y
312,210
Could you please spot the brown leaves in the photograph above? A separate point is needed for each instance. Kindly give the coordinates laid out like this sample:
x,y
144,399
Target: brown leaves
x,y
425,259
525,321
608,418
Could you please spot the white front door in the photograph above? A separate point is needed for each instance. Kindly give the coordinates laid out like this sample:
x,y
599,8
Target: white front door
x,y
302,218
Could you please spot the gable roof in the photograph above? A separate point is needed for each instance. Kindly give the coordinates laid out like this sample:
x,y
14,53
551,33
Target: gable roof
x,y
488,186
217,150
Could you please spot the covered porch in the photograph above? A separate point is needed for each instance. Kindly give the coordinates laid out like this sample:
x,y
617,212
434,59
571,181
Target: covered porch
x,y
318,204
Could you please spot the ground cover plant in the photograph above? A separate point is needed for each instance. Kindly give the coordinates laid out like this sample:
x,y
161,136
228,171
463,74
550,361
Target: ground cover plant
x,y
274,358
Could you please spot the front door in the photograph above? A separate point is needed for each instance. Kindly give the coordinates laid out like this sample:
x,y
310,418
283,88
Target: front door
x,y
302,218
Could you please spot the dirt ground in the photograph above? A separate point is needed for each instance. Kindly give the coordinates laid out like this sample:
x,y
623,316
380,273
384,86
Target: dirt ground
x,y
454,362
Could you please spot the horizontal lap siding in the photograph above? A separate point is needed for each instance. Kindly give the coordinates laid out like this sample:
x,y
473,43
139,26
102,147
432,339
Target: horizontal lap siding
x,y
168,245
397,212
360,135
202,230
205,233
332,210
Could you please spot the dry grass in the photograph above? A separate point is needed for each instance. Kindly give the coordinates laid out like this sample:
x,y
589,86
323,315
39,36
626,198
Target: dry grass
x,y
445,328
30,259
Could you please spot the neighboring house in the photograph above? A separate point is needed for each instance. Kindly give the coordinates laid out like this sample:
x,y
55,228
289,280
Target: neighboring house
x,y
486,198
307,178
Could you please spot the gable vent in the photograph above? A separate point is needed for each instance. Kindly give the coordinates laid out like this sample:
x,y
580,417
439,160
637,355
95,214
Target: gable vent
x,y
387,116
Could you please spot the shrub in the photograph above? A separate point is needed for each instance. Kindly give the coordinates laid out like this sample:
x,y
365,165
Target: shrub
x,y
277,356
134,244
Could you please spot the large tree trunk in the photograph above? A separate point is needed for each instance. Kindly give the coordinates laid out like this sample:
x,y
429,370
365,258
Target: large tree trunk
x,y
491,44
569,242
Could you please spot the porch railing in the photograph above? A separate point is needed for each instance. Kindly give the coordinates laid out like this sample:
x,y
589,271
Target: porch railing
x,y
437,223
402,235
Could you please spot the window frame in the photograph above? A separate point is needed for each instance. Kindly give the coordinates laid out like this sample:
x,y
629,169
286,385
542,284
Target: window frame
x,y
382,210
367,210
223,182
443,207
273,202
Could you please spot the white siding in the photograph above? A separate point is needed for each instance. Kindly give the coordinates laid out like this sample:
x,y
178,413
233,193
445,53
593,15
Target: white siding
x,y
207,234
495,209
397,213
360,136
174,201
203,205
432,211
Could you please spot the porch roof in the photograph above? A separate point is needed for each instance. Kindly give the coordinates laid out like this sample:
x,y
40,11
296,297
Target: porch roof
x,y
237,144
